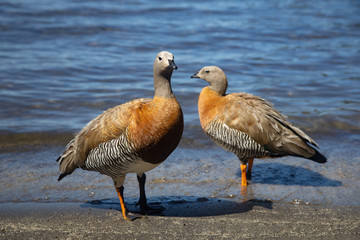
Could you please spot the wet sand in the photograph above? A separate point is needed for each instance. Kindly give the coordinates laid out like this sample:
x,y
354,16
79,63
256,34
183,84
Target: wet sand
x,y
202,219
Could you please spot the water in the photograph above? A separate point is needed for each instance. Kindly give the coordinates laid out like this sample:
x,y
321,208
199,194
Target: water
x,y
62,63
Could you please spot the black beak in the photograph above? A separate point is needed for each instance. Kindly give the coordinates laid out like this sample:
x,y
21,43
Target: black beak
x,y
172,65
195,75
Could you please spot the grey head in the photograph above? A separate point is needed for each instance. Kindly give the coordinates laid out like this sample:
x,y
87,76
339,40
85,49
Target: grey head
x,y
164,66
215,77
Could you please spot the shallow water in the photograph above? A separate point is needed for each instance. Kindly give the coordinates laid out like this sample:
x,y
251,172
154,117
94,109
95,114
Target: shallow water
x,y
63,63
200,172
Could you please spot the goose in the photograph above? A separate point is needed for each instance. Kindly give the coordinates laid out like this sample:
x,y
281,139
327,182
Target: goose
x,y
247,125
134,137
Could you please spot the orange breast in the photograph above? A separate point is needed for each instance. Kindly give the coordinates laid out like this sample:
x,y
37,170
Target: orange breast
x,y
156,129
210,105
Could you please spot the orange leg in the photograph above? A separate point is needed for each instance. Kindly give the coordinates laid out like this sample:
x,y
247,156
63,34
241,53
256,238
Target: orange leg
x,y
243,175
124,210
250,165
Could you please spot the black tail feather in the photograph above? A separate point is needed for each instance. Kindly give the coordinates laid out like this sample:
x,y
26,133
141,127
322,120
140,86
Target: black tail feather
x,y
318,157
63,175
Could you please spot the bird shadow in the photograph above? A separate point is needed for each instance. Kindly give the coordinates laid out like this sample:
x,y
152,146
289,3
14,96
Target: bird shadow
x,y
282,174
185,206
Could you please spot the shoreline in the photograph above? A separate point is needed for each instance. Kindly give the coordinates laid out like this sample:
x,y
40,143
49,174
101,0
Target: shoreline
x,y
203,219
288,198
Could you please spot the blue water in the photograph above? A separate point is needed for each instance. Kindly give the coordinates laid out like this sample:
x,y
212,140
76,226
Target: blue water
x,y
64,62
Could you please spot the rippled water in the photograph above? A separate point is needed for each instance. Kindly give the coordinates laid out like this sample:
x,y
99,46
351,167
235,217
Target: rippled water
x,y
64,62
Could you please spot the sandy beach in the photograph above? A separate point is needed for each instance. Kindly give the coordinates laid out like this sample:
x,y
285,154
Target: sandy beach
x,y
203,219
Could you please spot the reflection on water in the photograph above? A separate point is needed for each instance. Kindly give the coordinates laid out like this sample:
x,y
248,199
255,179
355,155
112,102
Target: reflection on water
x,y
282,174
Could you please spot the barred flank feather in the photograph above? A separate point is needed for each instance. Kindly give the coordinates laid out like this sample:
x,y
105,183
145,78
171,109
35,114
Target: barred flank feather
x,y
112,158
235,141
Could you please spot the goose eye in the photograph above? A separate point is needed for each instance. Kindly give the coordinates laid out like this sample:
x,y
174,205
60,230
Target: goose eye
x,y
207,71
160,58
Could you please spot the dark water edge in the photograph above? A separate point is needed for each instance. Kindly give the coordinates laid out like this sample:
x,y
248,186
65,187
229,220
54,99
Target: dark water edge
x,y
193,136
